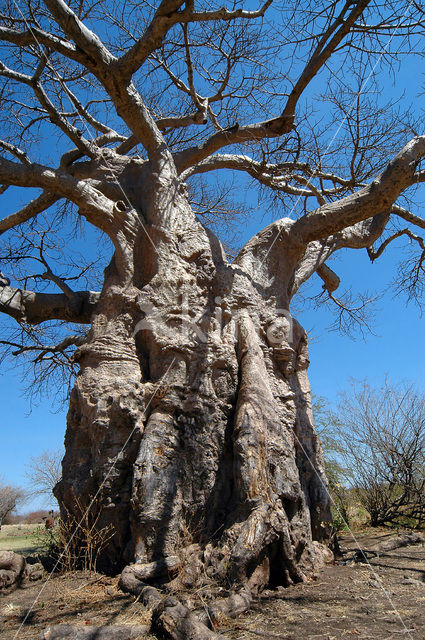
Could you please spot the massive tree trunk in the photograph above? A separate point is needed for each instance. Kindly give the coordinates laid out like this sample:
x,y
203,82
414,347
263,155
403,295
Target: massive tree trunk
x,y
190,420
190,431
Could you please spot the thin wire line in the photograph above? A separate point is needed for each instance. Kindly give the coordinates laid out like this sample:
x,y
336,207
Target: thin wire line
x,y
339,127
85,125
362,88
78,526
370,566
101,152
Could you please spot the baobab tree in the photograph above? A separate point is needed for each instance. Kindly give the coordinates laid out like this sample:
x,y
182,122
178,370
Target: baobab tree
x,y
190,418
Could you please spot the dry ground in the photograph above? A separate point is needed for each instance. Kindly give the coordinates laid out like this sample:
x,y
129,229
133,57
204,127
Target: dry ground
x,y
348,601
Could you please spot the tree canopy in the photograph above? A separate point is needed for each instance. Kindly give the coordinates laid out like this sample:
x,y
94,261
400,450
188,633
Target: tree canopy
x,y
292,97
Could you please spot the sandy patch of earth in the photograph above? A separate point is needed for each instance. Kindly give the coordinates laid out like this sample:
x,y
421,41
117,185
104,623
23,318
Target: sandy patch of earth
x,y
382,600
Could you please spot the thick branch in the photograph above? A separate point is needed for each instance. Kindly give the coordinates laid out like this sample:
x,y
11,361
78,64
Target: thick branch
x,y
225,14
330,279
59,282
84,38
165,17
72,155
35,35
98,209
45,200
375,198
33,308
15,151
359,236
233,135
408,216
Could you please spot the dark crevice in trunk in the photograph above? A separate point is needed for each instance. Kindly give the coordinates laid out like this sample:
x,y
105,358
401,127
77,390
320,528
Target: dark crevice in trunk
x,y
214,403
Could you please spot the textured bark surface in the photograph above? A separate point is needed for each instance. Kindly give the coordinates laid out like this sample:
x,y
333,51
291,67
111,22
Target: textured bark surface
x,y
109,632
190,443
15,572
191,417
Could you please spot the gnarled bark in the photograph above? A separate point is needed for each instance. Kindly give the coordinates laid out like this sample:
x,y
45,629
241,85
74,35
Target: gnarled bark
x,y
109,632
190,420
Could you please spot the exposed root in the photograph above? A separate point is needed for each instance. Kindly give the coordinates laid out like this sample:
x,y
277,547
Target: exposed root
x,y
12,568
171,619
231,607
15,572
110,632
144,572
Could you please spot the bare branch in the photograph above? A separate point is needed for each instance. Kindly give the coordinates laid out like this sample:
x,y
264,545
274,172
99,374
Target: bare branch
x,y
43,202
374,254
15,151
261,170
43,350
73,133
59,282
32,308
225,14
82,111
284,123
408,216
377,197
36,35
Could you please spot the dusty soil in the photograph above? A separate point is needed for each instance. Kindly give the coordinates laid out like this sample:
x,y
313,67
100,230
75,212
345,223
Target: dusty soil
x,y
353,600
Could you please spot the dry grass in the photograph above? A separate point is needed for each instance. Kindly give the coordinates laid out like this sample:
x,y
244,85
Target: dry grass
x,y
21,538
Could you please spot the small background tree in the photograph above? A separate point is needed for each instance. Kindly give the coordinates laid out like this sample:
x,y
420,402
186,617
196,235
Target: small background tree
x,y
43,473
333,451
378,435
10,498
